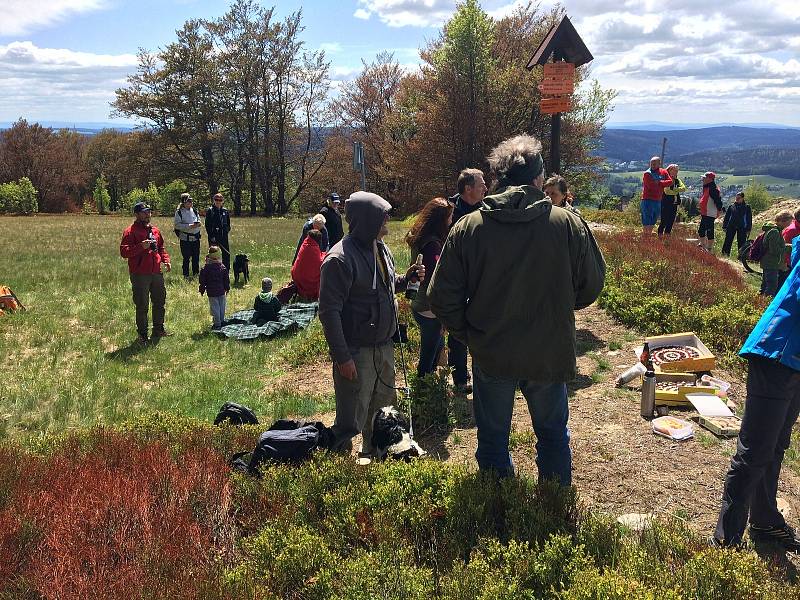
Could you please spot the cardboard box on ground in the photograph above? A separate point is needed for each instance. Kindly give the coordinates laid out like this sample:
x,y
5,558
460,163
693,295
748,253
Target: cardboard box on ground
x,y
682,370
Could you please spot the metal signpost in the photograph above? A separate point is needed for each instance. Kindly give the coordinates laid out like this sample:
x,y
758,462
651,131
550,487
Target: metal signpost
x,y
359,163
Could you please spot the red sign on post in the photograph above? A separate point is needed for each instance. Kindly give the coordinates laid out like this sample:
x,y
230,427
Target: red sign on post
x,y
556,87
551,106
560,70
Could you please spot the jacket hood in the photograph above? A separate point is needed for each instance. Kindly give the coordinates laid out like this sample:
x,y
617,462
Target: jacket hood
x,y
767,226
365,213
516,204
266,296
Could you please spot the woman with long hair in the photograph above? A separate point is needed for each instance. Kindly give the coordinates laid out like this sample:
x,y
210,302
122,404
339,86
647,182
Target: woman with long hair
x,y
426,237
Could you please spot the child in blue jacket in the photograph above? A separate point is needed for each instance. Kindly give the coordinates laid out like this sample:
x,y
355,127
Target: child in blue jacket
x,y
771,409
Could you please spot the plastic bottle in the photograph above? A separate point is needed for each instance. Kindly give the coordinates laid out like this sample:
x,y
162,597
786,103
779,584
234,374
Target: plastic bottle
x,y
630,374
413,286
648,404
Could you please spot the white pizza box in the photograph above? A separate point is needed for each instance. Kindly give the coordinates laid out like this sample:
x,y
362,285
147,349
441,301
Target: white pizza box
x,y
709,405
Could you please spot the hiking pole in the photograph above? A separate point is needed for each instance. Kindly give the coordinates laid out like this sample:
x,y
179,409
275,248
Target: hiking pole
x,y
405,389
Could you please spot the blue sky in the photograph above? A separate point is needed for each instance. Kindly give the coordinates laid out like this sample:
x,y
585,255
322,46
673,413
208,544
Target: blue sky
x,y
727,60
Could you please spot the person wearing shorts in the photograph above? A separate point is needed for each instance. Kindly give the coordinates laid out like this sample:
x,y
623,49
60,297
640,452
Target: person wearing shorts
x,y
706,229
651,211
654,180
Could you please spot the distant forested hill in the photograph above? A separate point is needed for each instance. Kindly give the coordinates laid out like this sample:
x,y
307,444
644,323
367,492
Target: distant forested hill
x,y
778,162
628,145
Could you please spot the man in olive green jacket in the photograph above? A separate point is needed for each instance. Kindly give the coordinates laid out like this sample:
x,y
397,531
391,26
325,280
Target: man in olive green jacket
x,y
507,284
773,262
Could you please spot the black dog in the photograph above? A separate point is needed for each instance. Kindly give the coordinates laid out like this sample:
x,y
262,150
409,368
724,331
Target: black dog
x,y
241,266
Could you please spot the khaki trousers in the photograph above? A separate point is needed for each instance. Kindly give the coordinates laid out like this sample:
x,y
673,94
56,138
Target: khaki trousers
x,y
146,289
358,401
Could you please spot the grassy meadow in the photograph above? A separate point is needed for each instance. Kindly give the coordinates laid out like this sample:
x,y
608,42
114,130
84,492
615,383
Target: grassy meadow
x,y
149,508
70,360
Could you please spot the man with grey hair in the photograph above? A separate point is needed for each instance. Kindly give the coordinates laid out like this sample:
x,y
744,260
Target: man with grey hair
x,y
508,280
471,190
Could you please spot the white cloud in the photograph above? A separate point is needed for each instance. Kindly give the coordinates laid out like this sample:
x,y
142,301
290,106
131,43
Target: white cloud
x,y
51,83
22,16
331,47
403,13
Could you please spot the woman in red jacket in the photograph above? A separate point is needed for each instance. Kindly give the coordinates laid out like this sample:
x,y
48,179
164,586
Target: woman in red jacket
x,y
305,271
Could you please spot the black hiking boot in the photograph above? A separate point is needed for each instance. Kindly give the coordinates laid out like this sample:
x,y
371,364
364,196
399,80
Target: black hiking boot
x,y
784,536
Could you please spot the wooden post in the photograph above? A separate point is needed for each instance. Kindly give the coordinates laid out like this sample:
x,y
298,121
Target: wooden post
x,y
563,43
555,131
555,144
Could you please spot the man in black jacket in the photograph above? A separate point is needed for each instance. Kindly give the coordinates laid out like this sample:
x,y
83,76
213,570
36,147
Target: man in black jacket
x,y
218,225
738,221
471,190
333,219
358,283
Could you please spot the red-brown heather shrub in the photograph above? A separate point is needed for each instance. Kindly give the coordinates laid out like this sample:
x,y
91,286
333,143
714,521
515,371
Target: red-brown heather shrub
x,y
120,519
670,287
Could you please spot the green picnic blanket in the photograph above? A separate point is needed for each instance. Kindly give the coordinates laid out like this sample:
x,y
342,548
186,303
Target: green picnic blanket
x,y
292,317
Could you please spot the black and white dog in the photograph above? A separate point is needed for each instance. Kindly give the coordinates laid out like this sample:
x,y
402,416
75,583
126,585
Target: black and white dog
x,y
390,437
241,266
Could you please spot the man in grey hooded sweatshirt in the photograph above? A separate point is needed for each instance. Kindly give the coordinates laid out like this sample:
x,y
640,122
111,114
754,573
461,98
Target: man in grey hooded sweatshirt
x,y
357,310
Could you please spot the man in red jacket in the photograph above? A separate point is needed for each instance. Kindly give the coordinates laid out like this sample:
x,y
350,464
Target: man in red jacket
x,y
654,180
143,246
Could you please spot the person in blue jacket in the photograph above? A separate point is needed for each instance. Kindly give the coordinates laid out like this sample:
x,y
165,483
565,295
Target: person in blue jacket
x,y
771,409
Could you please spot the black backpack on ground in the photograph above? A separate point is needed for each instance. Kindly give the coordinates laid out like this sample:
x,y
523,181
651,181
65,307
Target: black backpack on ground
x,y
285,442
235,414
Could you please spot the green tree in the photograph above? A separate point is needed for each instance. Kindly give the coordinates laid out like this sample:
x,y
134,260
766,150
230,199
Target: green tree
x,y
176,92
170,196
757,196
18,197
100,195
463,62
150,196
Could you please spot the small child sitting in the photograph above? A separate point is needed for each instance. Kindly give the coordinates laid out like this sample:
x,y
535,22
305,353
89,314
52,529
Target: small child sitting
x,y
215,280
266,305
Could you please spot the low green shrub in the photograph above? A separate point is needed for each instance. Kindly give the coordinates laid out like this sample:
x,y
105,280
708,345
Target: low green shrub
x,y
282,559
757,196
726,575
431,401
623,219
18,197
388,572
593,585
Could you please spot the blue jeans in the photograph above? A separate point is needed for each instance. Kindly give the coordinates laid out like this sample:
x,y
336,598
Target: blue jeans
x,y
457,360
547,404
431,345
216,305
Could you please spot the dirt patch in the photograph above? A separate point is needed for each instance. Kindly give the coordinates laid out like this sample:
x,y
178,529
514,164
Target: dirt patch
x,y
619,465
315,378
